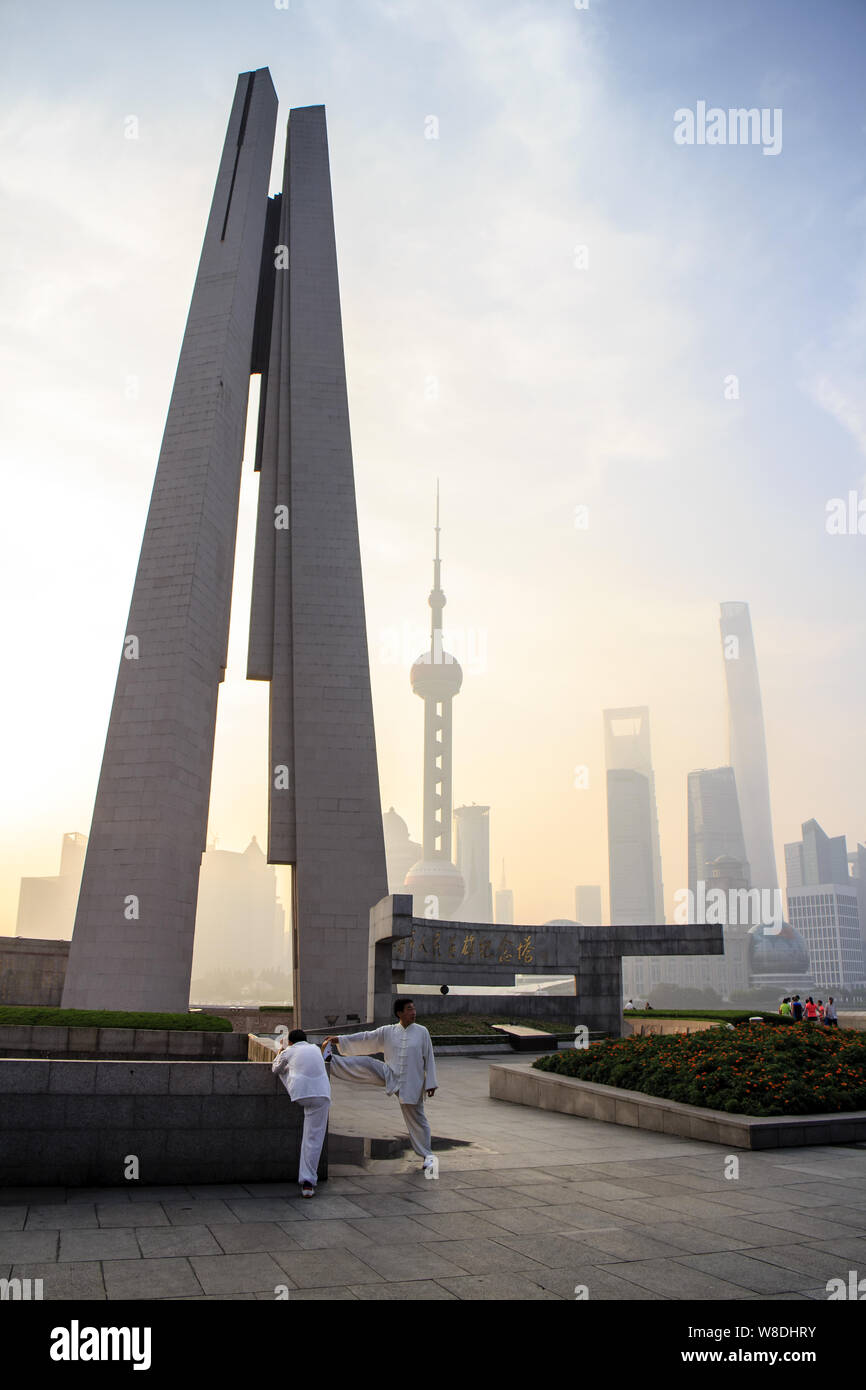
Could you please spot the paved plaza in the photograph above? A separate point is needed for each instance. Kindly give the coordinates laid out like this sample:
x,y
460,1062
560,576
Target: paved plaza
x,y
527,1205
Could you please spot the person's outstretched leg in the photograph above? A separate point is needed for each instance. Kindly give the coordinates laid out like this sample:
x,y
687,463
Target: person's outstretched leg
x,y
368,1070
419,1128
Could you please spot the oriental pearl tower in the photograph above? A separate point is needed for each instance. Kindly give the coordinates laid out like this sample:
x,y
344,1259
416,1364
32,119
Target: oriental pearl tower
x,y
435,883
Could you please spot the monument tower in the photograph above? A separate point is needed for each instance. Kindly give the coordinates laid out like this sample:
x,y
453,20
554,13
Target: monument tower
x,y
436,677
266,300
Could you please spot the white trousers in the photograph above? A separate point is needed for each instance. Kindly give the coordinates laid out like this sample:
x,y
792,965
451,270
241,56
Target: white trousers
x,y
315,1125
369,1071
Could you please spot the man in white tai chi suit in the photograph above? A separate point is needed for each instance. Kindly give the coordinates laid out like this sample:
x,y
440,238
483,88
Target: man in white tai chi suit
x,y
302,1070
407,1072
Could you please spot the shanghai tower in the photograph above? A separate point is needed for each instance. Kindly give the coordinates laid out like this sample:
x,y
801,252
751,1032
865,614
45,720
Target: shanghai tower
x,y
747,744
265,301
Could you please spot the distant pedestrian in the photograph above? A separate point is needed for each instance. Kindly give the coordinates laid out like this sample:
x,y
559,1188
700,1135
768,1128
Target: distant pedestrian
x,y
811,1010
630,1005
796,1008
820,1010
303,1073
785,1007
830,1016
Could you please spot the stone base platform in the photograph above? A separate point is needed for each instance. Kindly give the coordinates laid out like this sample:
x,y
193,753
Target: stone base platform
x,y
79,1124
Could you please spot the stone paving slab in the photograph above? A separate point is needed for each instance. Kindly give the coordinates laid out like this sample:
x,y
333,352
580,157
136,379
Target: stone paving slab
x,y
482,1256
13,1218
486,1287
252,1237
754,1275
226,1274
117,1244
164,1243
28,1245
416,1289
319,1268
138,1214
676,1280
146,1279
75,1279
66,1216
342,1235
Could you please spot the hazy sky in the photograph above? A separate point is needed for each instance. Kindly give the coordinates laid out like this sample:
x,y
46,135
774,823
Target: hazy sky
x,y
482,348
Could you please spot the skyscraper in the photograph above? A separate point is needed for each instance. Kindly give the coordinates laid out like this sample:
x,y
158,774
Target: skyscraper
x,y
636,894
436,885
473,861
747,744
46,906
233,889
504,903
265,300
715,826
824,906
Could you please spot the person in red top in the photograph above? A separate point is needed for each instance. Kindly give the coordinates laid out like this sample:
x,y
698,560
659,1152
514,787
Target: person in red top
x,y
810,1010
820,1010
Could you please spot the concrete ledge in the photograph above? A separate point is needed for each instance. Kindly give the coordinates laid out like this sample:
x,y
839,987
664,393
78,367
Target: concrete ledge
x,y
652,1027
565,1094
76,1123
115,1044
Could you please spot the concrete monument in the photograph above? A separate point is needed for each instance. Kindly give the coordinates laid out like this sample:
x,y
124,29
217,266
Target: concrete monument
x,y
266,299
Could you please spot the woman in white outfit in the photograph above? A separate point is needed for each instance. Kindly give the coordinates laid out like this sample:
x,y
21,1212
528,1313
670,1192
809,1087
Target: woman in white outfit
x,y
300,1067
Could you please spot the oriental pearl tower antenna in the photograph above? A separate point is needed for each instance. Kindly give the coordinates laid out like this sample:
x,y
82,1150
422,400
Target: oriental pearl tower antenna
x,y
435,883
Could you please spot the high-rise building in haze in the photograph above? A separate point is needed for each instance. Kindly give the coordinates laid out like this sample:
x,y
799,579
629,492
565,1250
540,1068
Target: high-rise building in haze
x,y
436,885
400,852
857,865
636,895
715,825
240,923
473,862
817,858
46,906
587,904
747,744
824,906
504,903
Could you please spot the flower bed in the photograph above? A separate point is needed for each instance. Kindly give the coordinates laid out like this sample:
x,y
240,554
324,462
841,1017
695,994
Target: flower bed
x,y
802,1070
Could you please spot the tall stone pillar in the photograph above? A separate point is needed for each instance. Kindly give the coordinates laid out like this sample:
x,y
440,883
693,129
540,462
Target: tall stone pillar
x,y
308,603
133,938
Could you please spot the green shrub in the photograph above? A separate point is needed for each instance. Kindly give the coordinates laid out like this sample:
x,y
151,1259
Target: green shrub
x,y
110,1018
803,1070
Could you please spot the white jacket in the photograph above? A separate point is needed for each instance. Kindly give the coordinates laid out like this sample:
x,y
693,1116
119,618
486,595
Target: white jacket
x,y
302,1071
409,1066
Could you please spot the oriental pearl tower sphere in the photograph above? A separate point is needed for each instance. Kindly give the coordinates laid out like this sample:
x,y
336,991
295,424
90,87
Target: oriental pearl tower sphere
x,y
435,883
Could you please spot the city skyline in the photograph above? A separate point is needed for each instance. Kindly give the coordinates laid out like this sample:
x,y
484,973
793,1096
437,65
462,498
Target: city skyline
x,y
534,387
